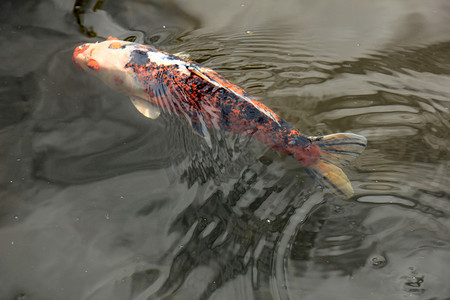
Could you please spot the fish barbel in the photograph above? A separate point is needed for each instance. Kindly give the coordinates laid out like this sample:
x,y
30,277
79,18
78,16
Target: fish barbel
x,y
157,81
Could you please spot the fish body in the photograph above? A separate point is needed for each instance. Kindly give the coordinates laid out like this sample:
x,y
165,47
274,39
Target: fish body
x,y
155,80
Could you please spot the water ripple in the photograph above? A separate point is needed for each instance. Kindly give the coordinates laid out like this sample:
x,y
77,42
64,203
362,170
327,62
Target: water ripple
x,y
109,205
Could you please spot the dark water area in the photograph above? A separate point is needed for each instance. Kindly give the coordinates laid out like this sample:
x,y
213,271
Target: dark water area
x,y
98,202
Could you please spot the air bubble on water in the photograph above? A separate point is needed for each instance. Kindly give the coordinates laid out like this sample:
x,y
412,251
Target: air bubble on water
x,y
413,282
378,262
338,209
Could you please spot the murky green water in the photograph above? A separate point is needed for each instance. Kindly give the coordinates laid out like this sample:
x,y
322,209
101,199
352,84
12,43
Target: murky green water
x,y
98,202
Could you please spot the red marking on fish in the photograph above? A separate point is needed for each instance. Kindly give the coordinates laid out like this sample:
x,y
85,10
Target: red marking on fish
x,y
93,64
118,80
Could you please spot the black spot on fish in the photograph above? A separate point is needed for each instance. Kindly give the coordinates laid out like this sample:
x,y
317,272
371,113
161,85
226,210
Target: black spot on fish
x,y
226,111
139,57
251,113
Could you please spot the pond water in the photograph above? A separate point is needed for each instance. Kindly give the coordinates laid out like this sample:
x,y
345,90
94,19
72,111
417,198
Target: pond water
x,y
98,202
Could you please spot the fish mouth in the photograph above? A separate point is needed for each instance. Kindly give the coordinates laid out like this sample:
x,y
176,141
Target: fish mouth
x,y
79,55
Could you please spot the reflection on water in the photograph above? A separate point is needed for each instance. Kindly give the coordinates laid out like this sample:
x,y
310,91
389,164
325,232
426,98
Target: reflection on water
x,y
98,202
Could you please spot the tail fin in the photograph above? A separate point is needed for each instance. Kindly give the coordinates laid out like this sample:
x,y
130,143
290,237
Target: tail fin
x,y
336,151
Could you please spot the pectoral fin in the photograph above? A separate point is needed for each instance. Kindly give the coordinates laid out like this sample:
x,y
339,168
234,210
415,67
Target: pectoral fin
x,y
146,108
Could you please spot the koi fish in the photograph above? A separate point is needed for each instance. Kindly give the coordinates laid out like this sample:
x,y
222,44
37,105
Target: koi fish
x,y
157,81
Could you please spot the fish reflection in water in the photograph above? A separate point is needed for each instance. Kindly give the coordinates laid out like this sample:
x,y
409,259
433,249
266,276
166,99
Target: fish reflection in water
x,y
235,230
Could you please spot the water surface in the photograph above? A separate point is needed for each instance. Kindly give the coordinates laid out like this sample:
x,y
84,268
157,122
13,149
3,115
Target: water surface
x,y
98,202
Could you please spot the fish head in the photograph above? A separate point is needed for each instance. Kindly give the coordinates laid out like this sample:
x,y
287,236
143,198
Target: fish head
x,y
107,60
130,68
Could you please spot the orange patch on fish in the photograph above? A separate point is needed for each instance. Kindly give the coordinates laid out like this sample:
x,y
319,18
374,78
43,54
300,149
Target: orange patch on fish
x,y
112,39
93,64
115,45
